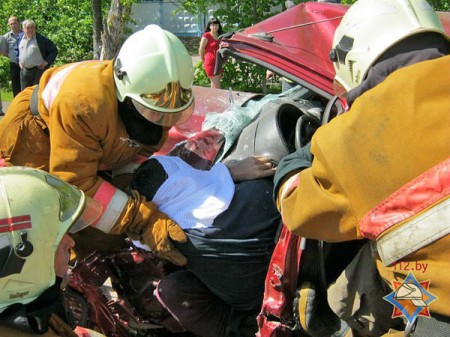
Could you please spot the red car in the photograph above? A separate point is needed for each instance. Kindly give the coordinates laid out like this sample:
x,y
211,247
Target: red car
x,y
294,44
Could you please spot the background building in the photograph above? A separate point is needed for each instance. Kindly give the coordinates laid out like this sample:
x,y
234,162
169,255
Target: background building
x,y
163,13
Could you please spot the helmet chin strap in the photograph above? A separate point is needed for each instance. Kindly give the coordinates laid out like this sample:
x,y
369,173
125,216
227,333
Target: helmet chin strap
x,y
138,128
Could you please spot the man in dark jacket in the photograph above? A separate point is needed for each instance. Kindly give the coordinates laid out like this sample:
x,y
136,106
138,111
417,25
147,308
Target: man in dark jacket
x,y
12,37
36,54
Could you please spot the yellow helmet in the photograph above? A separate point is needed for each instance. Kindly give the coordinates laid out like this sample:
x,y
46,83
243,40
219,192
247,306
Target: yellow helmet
x,y
370,27
154,69
36,210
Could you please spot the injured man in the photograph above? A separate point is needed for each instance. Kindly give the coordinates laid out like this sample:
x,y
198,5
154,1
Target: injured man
x,y
230,225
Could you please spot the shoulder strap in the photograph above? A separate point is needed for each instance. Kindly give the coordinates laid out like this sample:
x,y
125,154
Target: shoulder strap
x,y
34,101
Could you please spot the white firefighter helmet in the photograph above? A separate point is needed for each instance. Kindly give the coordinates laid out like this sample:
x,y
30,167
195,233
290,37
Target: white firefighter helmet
x,y
154,69
36,210
370,27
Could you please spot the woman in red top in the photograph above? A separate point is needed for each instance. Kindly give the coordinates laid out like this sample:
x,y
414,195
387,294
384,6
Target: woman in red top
x,y
209,44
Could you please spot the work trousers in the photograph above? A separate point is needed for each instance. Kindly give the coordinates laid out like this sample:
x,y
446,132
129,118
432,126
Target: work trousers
x,y
14,70
30,77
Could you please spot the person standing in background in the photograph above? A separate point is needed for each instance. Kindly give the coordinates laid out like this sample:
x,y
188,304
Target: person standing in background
x,y
12,37
36,54
4,52
209,44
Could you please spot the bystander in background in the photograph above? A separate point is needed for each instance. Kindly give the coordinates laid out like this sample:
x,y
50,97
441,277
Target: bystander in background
x,y
209,44
36,54
12,37
4,52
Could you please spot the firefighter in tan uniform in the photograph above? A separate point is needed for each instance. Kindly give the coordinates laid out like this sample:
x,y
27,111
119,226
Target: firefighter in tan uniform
x,y
381,170
105,115
37,210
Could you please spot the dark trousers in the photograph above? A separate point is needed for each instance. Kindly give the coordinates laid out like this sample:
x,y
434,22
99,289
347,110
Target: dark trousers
x,y
14,70
199,311
231,258
30,77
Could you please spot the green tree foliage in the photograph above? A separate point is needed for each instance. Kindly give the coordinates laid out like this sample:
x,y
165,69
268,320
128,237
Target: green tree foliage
x,y
440,5
235,14
67,23
240,76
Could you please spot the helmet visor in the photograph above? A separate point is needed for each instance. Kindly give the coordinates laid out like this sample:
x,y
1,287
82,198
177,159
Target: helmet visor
x,y
172,98
91,212
168,118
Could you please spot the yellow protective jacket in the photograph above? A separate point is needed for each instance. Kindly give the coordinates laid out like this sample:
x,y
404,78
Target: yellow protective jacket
x,y
391,135
78,133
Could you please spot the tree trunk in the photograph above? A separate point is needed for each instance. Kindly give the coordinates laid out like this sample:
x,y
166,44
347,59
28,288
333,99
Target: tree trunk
x,y
114,28
97,28
256,17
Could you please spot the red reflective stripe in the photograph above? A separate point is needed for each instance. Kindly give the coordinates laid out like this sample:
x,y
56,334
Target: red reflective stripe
x,y
409,200
104,195
15,223
15,219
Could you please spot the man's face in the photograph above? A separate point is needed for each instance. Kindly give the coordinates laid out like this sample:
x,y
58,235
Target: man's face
x,y
30,31
14,24
62,255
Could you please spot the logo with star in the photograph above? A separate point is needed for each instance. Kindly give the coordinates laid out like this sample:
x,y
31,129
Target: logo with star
x,y
410,298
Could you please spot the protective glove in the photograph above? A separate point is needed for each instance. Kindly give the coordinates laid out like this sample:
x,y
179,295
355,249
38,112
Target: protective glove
x,y
158,235
144,222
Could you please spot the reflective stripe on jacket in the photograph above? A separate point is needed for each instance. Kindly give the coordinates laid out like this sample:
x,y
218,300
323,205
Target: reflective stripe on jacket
x,y
413,217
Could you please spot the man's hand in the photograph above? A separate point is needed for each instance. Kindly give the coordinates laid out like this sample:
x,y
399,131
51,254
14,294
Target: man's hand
x,y
144,222
250,168
43,65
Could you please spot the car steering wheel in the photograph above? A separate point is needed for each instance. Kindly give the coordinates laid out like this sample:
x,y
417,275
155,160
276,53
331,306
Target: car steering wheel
x,y
333,109
305,128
